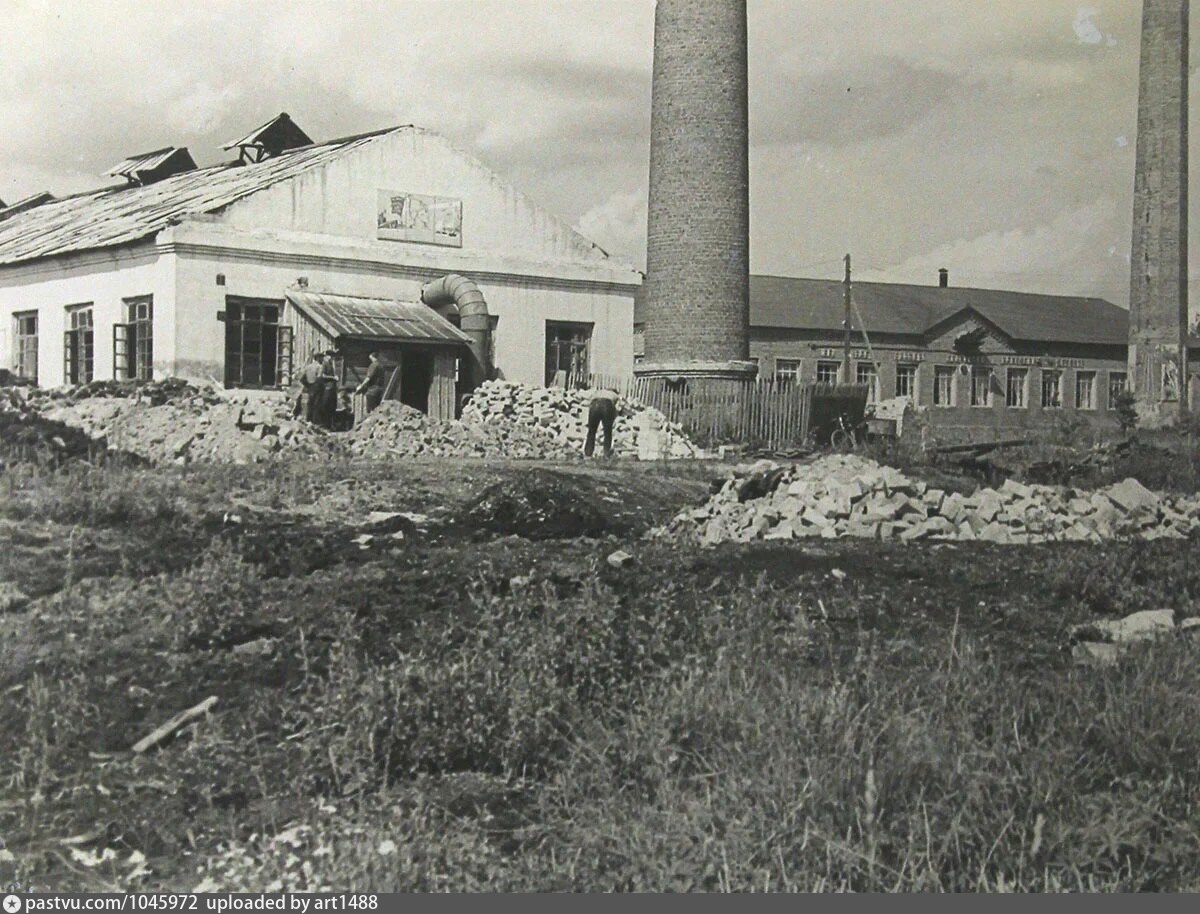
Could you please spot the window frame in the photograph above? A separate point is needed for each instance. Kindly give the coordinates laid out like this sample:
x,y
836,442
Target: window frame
x,y
985,374
19,351
1090,375
825,364
913,371
79,344
790,373
1010,374
873,382
236,304
581,374
1047,373
1113,375
948,372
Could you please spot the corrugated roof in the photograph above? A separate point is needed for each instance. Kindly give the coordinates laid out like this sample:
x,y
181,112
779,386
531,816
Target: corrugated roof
x,y
121,215
895,308
177,158
375,318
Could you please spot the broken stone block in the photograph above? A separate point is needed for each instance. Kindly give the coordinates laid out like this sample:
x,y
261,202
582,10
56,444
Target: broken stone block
x,y
1140,626
1131,495
619,559
994,533
1090,653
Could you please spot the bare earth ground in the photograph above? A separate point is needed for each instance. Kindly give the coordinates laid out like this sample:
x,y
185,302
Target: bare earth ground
x,y
434,701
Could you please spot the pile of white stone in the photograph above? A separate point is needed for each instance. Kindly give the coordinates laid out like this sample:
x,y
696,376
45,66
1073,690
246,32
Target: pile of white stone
x,y
396,430
847,495
197,427
561,415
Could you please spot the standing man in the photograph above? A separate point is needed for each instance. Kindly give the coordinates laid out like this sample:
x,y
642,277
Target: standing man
x,y
328,396
602,409
310,385
373,383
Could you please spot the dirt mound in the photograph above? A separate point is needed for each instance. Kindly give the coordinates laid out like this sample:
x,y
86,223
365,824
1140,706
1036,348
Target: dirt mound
x,y
395,430
538,505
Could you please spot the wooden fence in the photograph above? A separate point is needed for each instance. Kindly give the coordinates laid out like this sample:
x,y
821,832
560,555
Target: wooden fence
x,y
776,414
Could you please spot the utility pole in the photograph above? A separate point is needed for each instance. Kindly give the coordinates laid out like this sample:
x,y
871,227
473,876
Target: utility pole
x,y
846,328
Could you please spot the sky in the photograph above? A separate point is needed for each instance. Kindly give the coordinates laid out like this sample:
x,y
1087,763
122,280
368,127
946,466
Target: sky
x,y
995,139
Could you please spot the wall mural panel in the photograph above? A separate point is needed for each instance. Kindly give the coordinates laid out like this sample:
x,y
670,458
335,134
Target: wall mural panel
x,y
419,217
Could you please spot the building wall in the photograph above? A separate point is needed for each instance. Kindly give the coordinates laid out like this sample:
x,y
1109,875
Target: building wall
x,y
523,304
103,278
340,198
959,419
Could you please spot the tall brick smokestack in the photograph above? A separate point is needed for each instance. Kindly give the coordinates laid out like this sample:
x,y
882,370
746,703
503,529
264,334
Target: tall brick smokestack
x,y
697,294
1159,274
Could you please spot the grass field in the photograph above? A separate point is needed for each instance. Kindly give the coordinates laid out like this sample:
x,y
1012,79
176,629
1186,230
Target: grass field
x,y
452,706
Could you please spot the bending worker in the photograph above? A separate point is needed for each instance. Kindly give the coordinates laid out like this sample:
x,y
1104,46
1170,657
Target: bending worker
x,y
602,409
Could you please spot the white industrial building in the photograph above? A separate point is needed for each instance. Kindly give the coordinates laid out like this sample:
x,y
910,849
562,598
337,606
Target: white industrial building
x,y
203,273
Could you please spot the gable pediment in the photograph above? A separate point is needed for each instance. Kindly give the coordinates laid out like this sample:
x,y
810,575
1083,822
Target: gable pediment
x,y
968,331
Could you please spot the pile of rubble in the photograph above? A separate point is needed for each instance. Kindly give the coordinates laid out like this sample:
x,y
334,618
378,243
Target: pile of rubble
x,y
173,422
396,430
561,415
847,495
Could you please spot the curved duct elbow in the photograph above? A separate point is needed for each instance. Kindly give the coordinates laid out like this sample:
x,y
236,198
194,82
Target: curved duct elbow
x,y
455,289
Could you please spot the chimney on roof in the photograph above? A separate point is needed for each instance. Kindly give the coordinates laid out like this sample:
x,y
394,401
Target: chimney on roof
x,y
943,278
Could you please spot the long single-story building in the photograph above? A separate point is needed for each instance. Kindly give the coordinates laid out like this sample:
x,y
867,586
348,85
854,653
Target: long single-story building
x,y
978,358
395,241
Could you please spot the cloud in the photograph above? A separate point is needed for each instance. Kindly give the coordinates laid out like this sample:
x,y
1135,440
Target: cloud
x,y
618,225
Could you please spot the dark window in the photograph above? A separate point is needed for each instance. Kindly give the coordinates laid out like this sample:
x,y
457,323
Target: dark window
x,y
133,341
568,351
25,345
1051,389
78,345
906,380
1015,389
864,373
257,348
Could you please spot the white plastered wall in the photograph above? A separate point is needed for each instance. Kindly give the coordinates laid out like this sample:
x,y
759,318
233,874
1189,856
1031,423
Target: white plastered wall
x,y
103,278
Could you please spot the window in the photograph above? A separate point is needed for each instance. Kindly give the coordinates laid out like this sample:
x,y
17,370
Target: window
x,y
1085,390
78,345
828,372
25,345
1116,387
906,380
981,387
257,348
864,373
943,385
787,369
1014,389
1051,389
133,341
567,347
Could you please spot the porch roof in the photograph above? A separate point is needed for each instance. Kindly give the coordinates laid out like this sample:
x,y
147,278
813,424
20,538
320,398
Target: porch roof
x,y
356,317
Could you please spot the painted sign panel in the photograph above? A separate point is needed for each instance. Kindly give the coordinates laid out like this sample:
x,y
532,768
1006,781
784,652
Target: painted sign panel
x,y
419,217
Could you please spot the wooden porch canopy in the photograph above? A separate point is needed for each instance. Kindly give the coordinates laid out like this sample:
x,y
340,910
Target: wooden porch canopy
x,y
381,319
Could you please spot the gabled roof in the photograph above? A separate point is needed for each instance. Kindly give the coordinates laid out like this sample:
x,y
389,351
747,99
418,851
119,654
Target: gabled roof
x,y
352,316
911,310
276,135
122,214
146,166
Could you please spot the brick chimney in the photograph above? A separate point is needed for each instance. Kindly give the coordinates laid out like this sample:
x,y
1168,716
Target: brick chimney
x,y
943,278
697,289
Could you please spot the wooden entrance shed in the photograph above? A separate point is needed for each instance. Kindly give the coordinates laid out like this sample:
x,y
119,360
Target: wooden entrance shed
x,y
419,349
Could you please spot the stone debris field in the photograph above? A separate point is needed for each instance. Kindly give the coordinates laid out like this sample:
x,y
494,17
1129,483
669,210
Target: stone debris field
x,y
173,422
850,496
